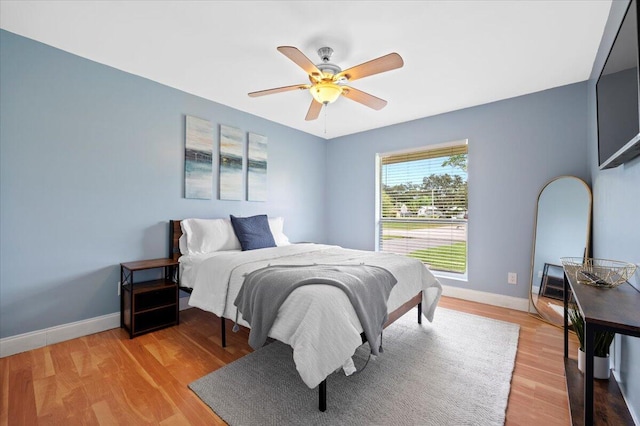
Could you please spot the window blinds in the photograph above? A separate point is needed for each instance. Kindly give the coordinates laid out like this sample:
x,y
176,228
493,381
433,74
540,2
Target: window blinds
x,y
423,196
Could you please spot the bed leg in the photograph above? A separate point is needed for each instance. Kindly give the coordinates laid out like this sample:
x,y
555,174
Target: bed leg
x,y
223,332
420,313
322,396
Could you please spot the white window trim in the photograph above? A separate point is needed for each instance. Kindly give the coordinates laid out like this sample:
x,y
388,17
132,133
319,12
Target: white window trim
x,y
378,213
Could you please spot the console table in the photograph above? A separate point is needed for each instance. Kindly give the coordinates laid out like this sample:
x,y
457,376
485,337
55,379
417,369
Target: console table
x,y
603,309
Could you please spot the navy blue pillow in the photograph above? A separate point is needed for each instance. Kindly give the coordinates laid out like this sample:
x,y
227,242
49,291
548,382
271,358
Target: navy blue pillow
x,y
253,232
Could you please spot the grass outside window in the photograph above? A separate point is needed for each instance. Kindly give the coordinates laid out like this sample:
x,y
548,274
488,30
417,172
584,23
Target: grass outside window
x,y
450,258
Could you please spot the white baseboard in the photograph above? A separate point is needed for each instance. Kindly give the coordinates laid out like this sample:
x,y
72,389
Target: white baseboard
x,y
493,299
37,339
630,405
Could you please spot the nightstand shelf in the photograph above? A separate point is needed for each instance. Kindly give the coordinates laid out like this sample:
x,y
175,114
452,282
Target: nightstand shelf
x,y
552,281
148,305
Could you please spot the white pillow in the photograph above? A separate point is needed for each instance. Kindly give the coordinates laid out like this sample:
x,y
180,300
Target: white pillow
x,y
209,235
182,242
276,224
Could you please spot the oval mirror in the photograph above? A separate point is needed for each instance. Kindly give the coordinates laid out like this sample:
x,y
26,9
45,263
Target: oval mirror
x,y
562,228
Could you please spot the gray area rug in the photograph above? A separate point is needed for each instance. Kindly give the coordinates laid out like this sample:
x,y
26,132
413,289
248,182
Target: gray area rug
x,y
454,371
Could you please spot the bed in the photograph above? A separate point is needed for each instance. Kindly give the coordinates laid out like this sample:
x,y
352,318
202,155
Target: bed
x,y
317,321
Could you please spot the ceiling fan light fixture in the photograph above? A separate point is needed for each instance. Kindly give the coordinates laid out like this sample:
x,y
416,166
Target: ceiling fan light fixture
x,y
326,92
328,81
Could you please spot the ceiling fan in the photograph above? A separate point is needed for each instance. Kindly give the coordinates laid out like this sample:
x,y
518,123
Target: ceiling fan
x,y
328,81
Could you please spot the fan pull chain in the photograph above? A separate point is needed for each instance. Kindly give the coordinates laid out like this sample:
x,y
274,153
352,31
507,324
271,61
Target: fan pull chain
x,y
325,118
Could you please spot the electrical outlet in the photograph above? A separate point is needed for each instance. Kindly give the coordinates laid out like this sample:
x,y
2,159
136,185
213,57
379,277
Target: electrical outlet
x,y
512,278
539,274
118,288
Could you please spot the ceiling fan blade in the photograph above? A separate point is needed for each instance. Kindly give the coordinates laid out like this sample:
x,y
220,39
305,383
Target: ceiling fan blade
x,y
314,110
301,60
278,90
363,98
375,66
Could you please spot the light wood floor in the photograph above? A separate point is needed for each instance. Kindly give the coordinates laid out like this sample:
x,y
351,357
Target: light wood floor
x,y
108,379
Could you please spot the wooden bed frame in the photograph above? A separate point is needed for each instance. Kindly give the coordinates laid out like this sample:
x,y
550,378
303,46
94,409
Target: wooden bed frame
x,y
175,232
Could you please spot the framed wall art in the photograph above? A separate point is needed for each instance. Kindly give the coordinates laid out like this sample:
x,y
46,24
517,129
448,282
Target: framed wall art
x,y
231,162
257,168
198,156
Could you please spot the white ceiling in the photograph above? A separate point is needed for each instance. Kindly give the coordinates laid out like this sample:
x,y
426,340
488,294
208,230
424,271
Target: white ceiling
x,y
457,54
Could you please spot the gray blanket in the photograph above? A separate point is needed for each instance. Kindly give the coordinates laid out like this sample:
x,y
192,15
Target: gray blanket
x,y
264,290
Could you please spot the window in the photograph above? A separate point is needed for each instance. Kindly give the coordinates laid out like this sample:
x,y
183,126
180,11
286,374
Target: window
x,y
423,206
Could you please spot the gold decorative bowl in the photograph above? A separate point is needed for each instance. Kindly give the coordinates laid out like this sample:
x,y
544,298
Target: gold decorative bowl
x,y
602,273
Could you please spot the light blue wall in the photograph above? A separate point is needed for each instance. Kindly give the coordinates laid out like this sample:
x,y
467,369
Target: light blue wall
x,y
616,212
515,147
92,166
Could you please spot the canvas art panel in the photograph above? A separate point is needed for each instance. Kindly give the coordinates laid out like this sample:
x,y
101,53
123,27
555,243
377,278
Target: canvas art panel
x,y
257,168
198,156
231,161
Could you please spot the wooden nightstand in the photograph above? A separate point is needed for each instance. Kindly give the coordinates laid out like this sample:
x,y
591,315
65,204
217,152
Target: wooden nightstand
x,y
148,305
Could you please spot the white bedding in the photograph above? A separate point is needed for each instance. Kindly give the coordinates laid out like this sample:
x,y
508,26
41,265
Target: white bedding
x,y
189,265
317,321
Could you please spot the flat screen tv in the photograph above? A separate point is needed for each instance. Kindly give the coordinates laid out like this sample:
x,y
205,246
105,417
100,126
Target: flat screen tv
x,y
617,96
